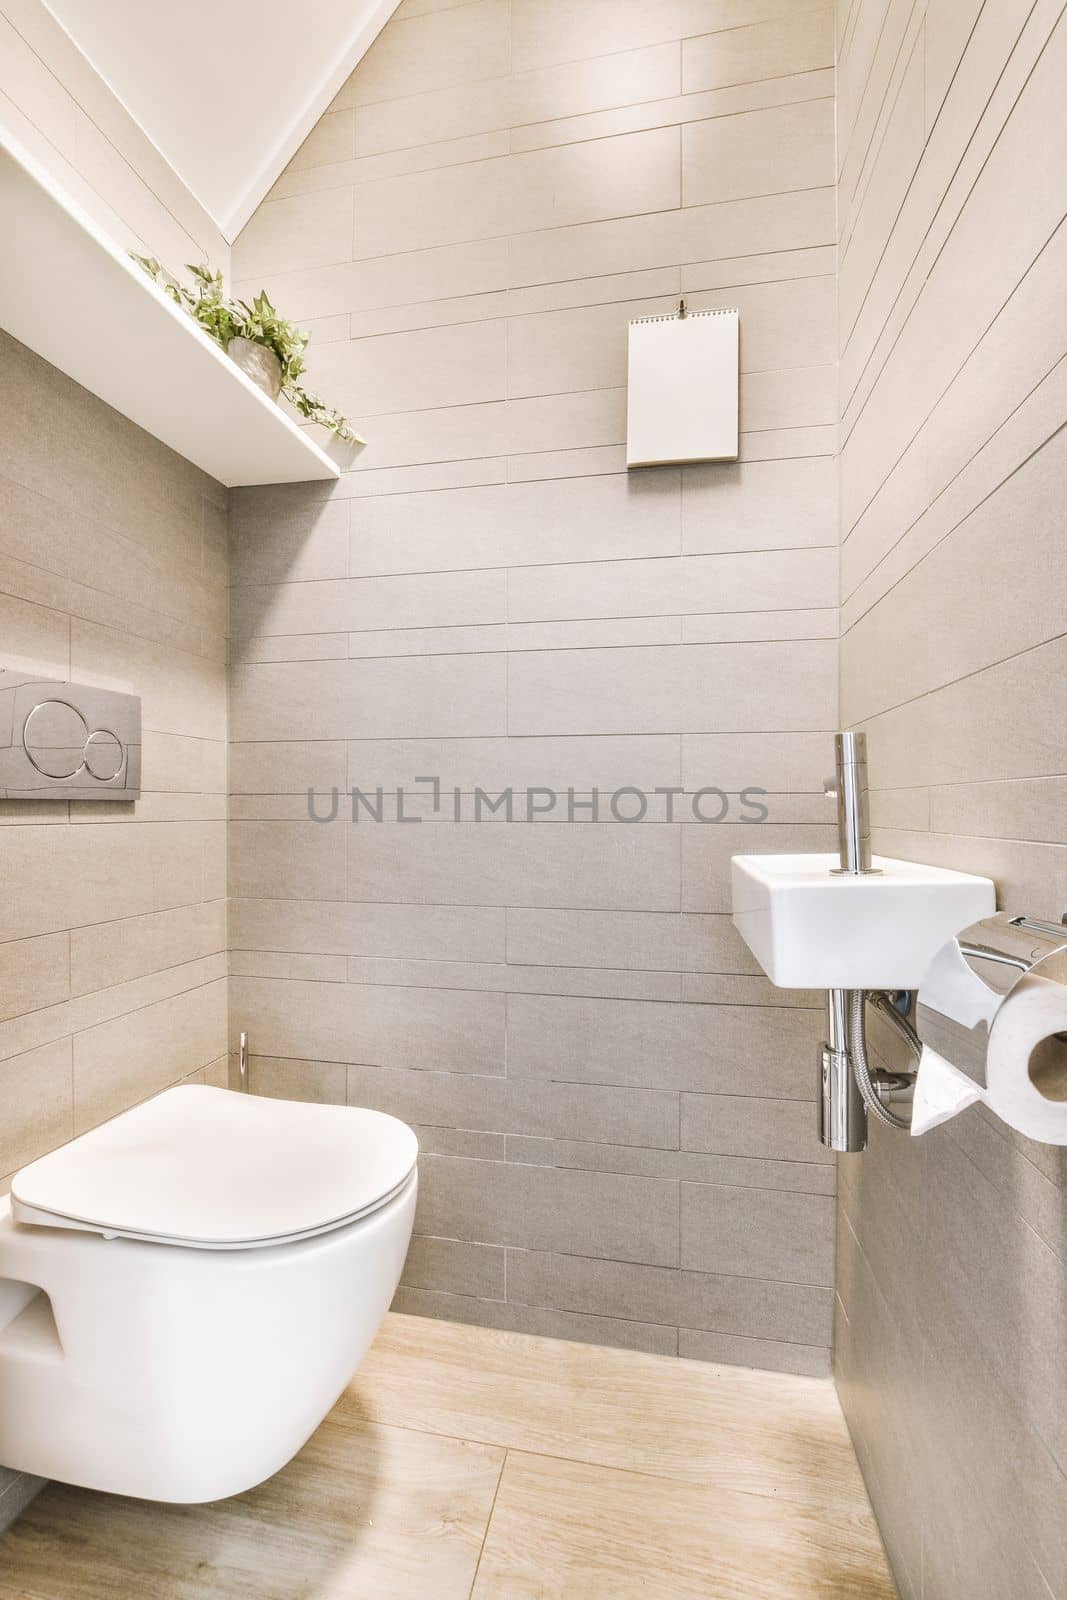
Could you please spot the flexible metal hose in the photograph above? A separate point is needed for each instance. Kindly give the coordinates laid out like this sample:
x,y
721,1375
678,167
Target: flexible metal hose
x,y
857,1040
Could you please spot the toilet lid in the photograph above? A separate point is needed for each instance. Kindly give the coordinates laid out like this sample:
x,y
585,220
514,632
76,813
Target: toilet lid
x,y
217,1170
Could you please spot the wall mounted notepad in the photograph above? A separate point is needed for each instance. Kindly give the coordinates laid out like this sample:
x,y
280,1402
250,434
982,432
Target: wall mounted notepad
x,y
682,394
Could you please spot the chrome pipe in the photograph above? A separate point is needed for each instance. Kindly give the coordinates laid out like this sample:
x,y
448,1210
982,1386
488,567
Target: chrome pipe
x,y
242,1063
853,805
842,1114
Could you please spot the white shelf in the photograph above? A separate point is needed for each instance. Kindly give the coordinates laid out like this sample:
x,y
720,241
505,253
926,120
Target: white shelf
x,y
69,293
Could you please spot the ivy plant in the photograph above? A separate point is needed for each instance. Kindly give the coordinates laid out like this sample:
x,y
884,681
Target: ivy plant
x,y
225,319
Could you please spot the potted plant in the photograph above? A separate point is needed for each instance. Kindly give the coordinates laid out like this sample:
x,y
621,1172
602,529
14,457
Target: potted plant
x,y
266,347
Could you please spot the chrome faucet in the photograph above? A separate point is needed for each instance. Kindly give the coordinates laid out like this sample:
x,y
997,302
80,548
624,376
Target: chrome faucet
x,y
842,1114
849,789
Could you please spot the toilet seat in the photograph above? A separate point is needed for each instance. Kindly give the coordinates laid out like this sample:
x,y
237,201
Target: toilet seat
x,y
208,1169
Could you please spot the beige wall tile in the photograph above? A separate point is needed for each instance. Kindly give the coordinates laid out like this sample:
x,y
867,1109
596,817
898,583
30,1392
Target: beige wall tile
x,y
34,973
289,860
333,138
441,599
120,1062
686,688
736,582
457,45
788,44
639,1117
610,938
549,30
581,865
799,397
456,1030
774,761
731,628
39,1103
389,164
677,109
454,695
307,230
637,243
584,1213
282,964
758,152
753,1050
494,764
320,1081
497,524
807,1360
539,189
449,366
59,878
510,978
738,1307
759,505
570,89
477,267
935,362
273,768
36,639
472,1269
113,952
287,534
782,1130
471,933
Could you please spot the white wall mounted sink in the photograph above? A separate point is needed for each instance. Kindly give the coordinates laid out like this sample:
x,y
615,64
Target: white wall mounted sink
x,y
811,929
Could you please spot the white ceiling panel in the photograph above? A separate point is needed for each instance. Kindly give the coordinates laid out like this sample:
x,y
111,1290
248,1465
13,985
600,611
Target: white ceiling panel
x,y
227,90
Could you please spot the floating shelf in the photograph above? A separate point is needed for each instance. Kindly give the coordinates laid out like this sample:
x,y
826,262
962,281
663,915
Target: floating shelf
x,y
72,295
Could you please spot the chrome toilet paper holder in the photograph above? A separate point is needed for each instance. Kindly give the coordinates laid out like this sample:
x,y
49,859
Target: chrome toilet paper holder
x,y
984,979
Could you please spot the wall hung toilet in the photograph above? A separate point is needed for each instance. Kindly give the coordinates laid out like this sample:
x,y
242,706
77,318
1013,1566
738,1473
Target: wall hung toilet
x,y
186,1290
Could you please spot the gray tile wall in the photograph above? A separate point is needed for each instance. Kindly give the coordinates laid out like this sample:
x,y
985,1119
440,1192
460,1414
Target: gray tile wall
x,y
113,570
614,1107
113,970
951,1323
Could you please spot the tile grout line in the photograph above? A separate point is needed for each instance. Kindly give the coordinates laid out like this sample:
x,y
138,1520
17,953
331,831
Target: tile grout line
x,y
488,1523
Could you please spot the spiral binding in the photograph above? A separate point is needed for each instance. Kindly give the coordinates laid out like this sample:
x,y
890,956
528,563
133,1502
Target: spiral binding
x,y
683,315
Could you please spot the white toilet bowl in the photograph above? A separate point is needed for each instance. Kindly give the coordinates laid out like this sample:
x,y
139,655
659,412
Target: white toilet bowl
x,y
186,1290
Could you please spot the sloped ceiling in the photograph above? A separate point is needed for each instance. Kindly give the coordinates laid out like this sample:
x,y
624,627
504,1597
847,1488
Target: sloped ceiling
x,y
227,90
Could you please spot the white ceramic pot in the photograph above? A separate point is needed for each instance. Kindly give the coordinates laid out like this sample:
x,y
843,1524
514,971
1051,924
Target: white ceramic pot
x,y
257,363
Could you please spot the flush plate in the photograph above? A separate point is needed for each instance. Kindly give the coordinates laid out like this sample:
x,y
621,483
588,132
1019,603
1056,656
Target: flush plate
x,y
811,929
67,741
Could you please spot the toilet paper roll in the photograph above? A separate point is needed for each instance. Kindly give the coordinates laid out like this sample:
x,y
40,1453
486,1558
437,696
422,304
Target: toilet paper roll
x,y
941,1091
1026,1063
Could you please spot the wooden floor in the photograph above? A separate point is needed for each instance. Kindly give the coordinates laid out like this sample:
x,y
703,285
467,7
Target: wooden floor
x,y
470,1464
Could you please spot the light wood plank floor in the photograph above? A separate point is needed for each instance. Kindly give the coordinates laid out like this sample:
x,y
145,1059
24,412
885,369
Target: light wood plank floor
x,y
471,1464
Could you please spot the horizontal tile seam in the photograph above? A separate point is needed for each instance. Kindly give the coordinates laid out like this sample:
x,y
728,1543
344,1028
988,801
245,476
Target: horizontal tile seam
x,y
129,1011
559,228
941,201
504,130
820,1289
568,61
616,563
504,314
931,507
964,677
